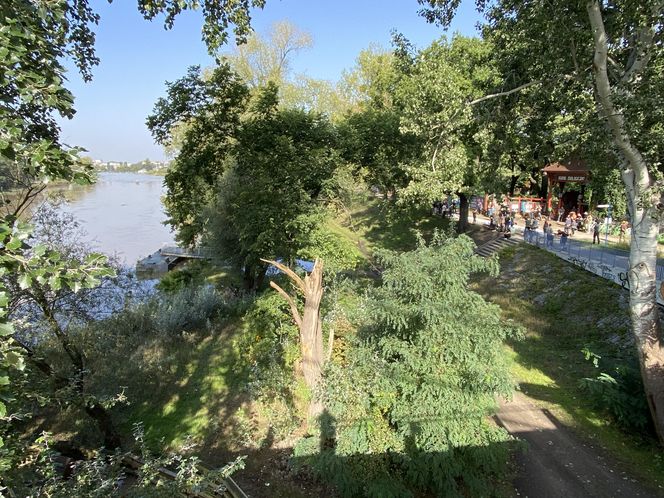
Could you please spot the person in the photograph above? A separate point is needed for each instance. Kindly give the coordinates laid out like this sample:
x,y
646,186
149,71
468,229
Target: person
x,y
563,240
474,216
549,236
596,226
623,231
546,226
568,225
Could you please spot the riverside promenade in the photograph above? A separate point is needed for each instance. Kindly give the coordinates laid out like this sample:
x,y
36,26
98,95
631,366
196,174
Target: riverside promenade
x,y
605,261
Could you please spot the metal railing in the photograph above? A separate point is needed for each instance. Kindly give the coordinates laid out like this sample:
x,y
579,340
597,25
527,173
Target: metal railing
x,y
571,249
185,253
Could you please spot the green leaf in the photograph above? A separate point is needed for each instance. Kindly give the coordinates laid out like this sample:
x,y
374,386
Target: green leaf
x,y
3,414
14,244
4,380
6,329
24,281
55,282
13,359
40,250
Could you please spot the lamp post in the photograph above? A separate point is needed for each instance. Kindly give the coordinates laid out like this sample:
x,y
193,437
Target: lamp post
x,y
608,216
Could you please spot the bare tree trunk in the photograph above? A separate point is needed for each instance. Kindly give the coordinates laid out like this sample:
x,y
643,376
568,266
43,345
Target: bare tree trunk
x,y
462,227
311,329
643,249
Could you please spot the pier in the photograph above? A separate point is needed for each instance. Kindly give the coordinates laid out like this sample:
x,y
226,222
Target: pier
x,y
167,258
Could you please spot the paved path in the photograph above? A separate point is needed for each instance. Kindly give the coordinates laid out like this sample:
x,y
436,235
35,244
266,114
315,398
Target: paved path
x,y
557,463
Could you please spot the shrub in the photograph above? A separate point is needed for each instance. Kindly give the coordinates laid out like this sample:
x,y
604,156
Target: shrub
x,y
407,407
318,241
106,474
618,389
267,349
187,310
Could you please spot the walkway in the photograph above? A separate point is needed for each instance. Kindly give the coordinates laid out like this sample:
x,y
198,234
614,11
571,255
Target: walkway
x,y
607,262
558,464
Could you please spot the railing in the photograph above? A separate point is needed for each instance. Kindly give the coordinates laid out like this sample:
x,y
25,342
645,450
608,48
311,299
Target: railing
x,y
186,253
583,253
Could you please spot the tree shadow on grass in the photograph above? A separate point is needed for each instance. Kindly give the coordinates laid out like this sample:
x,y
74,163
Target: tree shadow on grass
x,y
389,227
195,390
323,470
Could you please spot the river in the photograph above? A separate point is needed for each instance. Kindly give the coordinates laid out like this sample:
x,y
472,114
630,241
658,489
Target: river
x,y
122,214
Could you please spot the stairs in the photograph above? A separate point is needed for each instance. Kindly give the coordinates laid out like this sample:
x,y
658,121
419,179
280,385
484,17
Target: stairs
x,y
495,245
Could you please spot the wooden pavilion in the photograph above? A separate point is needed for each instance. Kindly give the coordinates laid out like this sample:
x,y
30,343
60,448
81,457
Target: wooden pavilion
x,y
572,171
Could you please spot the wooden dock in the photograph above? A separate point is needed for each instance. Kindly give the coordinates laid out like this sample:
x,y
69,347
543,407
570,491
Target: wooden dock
x,y
165,259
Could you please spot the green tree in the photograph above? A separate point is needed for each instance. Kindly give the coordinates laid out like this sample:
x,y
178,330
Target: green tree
x,y
408,403
209,108
268,59
372,140
281,163
439,99
35,38
612,52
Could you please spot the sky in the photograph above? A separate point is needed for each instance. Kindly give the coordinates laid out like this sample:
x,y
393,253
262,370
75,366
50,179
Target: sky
x,y
138,57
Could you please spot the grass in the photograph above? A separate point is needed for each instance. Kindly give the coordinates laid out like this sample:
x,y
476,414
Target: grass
x,y
380,224
564,309
195,391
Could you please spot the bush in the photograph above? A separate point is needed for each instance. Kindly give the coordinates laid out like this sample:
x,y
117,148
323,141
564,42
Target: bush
x,y
407,406
106,474
177,280
187,310
267,348
618,389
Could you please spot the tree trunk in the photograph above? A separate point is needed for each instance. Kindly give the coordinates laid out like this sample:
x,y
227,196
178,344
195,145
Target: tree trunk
x,y
96,411
248,278
643,248
260,278
105,423
311,329
462,227
311,333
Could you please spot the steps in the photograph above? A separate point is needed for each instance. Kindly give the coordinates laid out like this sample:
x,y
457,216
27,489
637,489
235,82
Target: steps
x,y
499,243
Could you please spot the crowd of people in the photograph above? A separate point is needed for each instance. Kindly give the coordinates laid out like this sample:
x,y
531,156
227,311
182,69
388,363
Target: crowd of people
x,y
505,220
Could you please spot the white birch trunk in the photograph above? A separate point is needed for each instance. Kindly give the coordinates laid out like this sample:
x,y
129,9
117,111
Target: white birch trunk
x,y
643,249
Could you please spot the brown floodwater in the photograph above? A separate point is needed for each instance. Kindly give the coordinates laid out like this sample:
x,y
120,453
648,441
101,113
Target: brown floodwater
x,y
122,214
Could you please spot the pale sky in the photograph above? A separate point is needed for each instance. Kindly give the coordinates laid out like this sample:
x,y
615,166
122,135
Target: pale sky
x,y
138,56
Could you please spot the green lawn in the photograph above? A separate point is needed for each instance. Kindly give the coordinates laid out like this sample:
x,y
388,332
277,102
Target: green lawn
x,y
382,224
196,394
564,309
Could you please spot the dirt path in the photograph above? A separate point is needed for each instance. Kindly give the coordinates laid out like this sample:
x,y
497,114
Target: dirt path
x,y
556,463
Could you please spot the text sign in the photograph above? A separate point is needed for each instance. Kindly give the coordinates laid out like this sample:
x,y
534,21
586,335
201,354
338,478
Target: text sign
x,y
566,178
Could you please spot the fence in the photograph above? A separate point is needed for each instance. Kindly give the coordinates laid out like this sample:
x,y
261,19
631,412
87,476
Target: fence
x,y
607,262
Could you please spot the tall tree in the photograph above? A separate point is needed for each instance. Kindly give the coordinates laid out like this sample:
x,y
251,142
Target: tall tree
x,y
269,58
437,97
282,162
208,109
612,51
35,38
